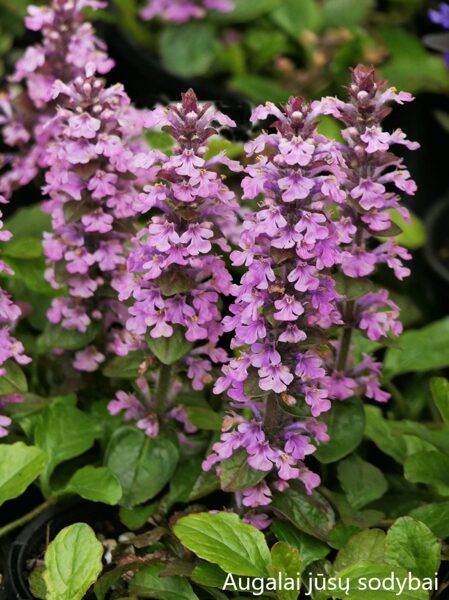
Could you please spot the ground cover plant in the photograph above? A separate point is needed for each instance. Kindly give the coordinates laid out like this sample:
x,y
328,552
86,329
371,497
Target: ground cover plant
x,y
215,353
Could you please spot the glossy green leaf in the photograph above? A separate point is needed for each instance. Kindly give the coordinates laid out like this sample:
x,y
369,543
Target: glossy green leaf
x,y
143,465
23,247
379,431
98,484
124,367
440,393
13,381
423,349
170,350
294,17
361,481
359,574
368,545
55,336
20,465
429,467
413,234
225,540
63,432
435,516
204,418
412,546
285,563
310,549
236,474
148,583
346,13
346,425
188,49
72,563
209,574
310,513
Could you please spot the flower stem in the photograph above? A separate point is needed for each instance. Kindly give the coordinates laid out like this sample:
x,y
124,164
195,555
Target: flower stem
x,y
345,342
271,413
27,518
162,387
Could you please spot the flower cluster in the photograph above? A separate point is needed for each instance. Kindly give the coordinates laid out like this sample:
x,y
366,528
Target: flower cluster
x,y
286,299
179,11
96,164
10,348
374,176
179,273
27,111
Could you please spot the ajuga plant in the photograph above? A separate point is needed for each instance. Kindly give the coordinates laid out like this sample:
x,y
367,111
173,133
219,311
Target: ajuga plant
x,y
374,177
321,207
177,267
180,11
27,110
83,137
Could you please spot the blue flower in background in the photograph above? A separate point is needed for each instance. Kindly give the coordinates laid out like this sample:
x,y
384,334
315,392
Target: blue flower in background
x,y
440,16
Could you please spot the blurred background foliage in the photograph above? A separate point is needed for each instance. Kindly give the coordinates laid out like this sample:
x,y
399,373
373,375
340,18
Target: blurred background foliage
x,y
270,49
12,13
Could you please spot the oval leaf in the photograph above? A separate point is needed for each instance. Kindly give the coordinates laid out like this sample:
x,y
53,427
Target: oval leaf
x,y
98,484
19,466
143,465
72,563
346,425
224,539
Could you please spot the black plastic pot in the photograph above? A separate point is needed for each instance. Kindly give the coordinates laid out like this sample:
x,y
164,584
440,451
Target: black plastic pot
x,y
437,248
32,540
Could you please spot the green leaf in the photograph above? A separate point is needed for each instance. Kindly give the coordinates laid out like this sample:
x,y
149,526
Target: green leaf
x,y
31,273
435,516
204,418
245,11
429,467
310,513
259,89
63,432
124,367
420,350
413,234
25,247
30,221
236,474
440,393
170,350
148,583
20,465
13,381
97,484
379,431
295,17
368,545
223,539
208,574
36,582
55,336
188,49
346,425
143,465
310,549
72,563
345,13
135,518
410,65
361,481
412,546
285,562
358,575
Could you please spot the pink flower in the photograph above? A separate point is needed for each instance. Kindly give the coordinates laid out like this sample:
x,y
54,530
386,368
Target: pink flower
x,y
88,359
